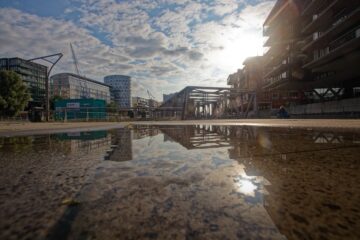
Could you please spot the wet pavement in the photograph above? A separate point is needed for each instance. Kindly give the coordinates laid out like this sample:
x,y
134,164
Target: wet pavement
x,y
181,182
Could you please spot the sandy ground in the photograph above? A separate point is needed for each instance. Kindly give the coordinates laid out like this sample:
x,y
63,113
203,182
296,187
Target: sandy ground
x,y
27,128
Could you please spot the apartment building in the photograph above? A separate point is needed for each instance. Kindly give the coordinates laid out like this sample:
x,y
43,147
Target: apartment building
x,y
313,47
331,33
283,59
247,86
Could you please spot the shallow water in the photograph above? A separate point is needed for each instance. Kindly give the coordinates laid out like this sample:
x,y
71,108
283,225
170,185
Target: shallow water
x,y
181,182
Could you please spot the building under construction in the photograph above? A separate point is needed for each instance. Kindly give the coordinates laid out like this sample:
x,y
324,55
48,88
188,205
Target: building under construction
x,y
311,66
73,86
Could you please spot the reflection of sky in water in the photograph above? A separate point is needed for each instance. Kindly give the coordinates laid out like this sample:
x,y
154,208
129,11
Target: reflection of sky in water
x,y
246,186
187,180
157,154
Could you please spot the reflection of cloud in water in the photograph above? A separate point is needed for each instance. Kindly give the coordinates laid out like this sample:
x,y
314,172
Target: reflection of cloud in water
x,y
246,187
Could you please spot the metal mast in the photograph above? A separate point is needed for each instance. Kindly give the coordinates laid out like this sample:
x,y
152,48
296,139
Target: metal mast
x,y
84,90
48,59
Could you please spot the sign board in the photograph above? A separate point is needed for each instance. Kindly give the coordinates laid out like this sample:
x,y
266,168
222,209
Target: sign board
x,y
73,105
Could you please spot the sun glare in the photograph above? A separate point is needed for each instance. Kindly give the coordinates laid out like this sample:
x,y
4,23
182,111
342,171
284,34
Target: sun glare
x,y
236,48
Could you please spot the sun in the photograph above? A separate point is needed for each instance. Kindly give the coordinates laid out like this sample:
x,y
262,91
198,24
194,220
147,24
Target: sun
x,y
236,47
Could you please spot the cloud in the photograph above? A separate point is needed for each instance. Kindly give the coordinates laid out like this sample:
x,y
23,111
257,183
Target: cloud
x,y
164,45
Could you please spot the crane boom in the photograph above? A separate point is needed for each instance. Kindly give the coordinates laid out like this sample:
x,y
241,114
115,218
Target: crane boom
x,y
150,95
84,90
75,60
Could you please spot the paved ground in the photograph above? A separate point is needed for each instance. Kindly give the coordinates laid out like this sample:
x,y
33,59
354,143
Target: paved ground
x,y
26,128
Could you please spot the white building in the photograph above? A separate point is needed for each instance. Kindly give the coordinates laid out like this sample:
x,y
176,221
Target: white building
x,y
72,86
120,89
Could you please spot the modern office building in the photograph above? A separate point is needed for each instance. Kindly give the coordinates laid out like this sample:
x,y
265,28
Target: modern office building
x,y
120,89
34,76
72,86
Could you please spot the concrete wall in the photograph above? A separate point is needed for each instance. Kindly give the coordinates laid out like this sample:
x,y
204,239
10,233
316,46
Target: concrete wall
x,y
334,107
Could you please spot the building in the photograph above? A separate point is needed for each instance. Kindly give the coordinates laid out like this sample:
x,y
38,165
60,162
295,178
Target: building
x,y
80,109
168,96
153,103
247,93
331,44
122,149
139,102
235,80
120,89
313,55
283,58
34,76
72,86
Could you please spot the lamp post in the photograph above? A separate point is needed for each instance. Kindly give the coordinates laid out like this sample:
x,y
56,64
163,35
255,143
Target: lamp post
x,y
47,80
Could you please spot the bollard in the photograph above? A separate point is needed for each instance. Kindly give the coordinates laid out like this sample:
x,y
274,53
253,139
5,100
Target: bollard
x,y
65,116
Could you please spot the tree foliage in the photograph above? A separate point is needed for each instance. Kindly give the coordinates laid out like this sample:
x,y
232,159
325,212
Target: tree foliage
x,y
14,94
111,107
53,100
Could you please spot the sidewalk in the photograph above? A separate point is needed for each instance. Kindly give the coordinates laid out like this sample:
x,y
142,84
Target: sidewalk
x,y
28,128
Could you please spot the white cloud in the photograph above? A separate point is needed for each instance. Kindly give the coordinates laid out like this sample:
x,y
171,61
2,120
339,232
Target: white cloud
x,y
163,44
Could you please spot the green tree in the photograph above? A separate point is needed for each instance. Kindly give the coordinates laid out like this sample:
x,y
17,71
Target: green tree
x,y
111,107
53,100
14,94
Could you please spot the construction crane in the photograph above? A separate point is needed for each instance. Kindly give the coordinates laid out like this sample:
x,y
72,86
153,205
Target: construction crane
x,y
75,60
84,90
150,95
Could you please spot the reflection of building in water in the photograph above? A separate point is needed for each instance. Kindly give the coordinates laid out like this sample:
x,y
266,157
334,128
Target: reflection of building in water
x,y
309,175
306,179
196,137
121,149
87,142
145,131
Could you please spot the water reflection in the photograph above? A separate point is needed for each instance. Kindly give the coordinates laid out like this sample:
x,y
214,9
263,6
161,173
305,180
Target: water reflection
x,y
176,182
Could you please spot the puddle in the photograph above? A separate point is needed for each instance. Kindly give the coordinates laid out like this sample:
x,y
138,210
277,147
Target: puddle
x,y
181,182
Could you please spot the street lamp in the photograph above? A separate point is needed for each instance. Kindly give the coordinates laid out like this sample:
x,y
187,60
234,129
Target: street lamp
x,y
46,58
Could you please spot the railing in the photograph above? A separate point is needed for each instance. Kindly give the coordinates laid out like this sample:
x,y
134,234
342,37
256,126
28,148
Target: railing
x,y
345,15
320,15
343,39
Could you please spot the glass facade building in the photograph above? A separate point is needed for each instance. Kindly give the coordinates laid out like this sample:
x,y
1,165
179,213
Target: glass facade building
x,y
120,89
72,86
33,74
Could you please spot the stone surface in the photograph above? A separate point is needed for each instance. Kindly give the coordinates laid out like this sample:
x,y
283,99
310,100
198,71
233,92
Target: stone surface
x,y
182,182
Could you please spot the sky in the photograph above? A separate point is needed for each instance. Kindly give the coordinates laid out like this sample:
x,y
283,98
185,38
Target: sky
x,y
164,45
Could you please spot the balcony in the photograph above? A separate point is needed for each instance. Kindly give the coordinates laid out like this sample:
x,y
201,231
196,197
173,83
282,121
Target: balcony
x,y
338,26
266,31
312,6
283,40
277,70
341,46
273,83
322,18
275,55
